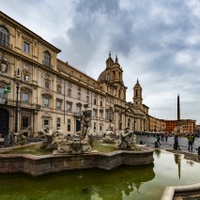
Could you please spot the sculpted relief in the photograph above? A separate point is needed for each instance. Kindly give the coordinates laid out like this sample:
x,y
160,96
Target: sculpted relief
x,y
3,64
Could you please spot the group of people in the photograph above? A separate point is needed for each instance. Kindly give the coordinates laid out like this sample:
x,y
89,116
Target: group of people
x,y
190,138
162,137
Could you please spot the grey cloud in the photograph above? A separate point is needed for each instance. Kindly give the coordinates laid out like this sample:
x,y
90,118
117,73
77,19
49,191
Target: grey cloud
x,y
90,7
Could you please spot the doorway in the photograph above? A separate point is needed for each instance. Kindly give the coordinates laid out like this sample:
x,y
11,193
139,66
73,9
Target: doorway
x,y
4,122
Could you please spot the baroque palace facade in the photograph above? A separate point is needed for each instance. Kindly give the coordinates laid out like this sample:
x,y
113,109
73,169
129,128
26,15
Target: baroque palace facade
x,y
43,90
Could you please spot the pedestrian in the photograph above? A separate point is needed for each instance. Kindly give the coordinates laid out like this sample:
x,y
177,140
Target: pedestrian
x,y
162,136
166,136
176,145
158,139
190,141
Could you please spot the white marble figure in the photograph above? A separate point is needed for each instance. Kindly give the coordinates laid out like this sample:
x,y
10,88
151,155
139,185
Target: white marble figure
x,y
3,64
108,136
79,142
127,139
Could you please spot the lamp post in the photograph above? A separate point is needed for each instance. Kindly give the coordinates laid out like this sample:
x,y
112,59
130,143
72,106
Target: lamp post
x,y
18,76
134,125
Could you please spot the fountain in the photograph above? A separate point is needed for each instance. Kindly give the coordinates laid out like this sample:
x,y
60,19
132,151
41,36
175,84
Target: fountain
x,y
70,152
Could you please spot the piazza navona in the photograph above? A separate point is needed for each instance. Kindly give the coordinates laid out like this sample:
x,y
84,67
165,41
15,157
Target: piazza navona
x,y
38,89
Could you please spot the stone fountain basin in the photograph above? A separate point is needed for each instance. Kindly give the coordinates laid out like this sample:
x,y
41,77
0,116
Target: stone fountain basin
x,y
45,164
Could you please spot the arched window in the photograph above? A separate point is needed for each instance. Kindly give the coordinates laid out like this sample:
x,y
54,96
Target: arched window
x,y
4,36
47,59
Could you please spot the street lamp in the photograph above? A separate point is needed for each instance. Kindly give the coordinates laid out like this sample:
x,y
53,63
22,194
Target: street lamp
x,y
134,125
18,76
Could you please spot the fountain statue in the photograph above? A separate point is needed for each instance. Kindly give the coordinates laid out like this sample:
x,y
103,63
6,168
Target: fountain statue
x,y
48,136
109,136
126,140
19,138
77,143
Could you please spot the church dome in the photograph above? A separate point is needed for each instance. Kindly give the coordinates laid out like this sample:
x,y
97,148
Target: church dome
x,y
102,76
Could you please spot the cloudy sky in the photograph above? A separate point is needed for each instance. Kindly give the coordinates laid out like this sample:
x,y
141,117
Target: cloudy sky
x,y
157,42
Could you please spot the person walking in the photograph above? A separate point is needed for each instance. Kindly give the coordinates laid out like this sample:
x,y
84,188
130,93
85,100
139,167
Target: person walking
x,y
176,145
190,141
166,136
158,139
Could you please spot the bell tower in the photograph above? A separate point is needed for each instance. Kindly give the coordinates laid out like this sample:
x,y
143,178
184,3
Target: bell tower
x,y
137,94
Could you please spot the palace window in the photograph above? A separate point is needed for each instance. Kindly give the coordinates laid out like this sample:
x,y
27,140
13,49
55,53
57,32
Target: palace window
x,y
69,92
69,107
4,37
58,122
79,88
69,125
58,80
46,102
47,85
94,113
58,88
25,97
46,122
101,114
47,59
78,108
25,122
58,104
26,47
